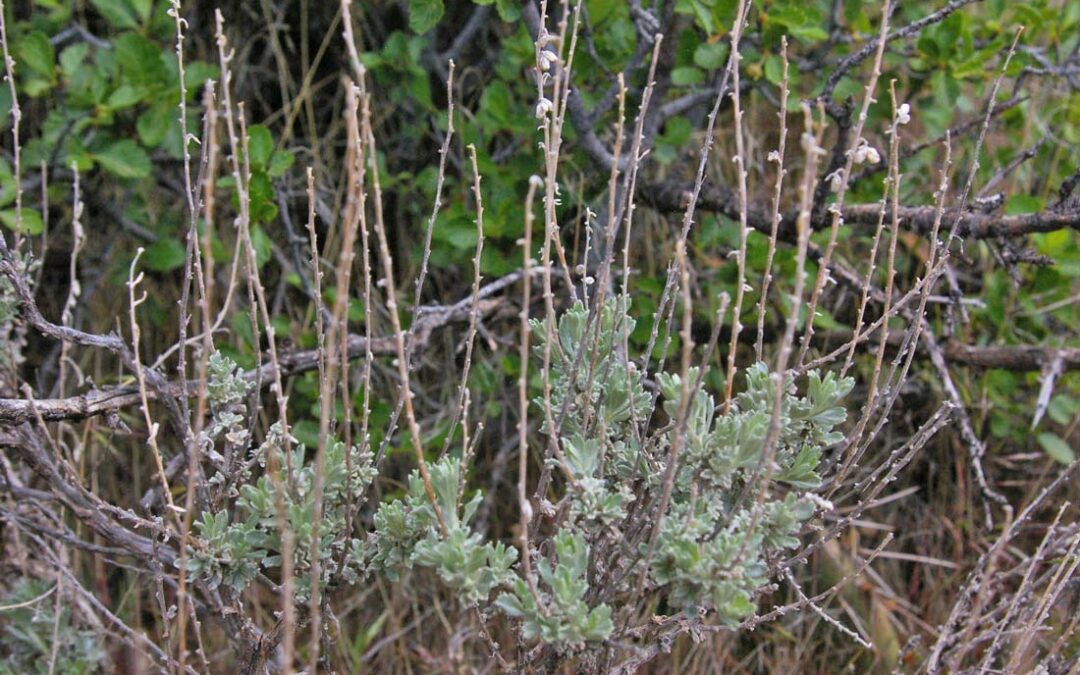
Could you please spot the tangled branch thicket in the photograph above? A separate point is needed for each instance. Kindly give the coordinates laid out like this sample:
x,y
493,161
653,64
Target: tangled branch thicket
x,y
689,336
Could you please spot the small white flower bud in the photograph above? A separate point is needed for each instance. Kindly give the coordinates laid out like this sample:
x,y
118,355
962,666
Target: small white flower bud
x,y
547,59
866,153
903,114
543,107
836,180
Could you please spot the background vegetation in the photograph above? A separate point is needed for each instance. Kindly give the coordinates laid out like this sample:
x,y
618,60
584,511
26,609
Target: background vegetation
x,y
936,220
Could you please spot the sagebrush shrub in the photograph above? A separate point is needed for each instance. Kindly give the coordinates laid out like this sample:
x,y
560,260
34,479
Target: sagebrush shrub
x,y
725,522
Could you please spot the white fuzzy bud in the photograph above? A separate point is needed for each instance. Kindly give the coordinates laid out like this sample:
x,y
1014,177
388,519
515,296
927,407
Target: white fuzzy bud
x,y
903,114
547,59
836,180
543,107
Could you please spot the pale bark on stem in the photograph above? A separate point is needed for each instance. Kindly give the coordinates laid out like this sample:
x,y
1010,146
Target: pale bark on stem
x,y
524,507
845,178
740,161
671,469
474,310
152,427
192,267
934,270
812,146
242,175
892,193
552,116
392,307
325,352
766,277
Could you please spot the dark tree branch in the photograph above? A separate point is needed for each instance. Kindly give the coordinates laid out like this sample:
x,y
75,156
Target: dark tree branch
x,y
1012,357
671,197
14,411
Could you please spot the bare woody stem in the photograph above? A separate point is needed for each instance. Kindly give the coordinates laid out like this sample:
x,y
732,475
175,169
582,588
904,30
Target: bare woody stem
x,y
392,307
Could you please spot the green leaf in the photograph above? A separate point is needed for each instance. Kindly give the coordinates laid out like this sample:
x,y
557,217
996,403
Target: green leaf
x,y
7,183
509,10
124,97
800,19
5,106
124,159
116,12
30,223
260,146
424,14
262,244
36,53
37,87
1063,409
154,123
142,8
710,56
261,193
165,255
495,106
702,15
72,57
774,69
140,60
196,73
279,163
687,76
1056,448
510,605
601,9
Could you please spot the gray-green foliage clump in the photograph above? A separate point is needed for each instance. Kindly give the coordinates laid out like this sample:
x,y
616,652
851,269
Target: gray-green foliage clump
x,y
32,631
407,534
720,530
239,542
235,552
598,401
565,618
724,521
738,498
